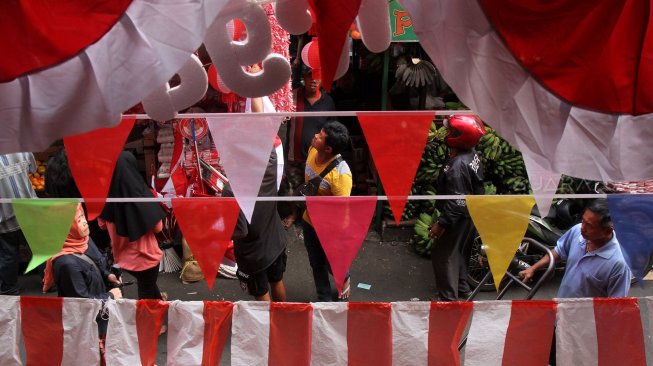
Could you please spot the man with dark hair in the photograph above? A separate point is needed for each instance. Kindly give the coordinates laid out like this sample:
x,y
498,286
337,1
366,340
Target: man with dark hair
x,y
595,265
325,148
299,131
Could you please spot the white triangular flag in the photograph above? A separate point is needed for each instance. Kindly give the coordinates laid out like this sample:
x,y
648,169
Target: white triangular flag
x,y
244,143
544,184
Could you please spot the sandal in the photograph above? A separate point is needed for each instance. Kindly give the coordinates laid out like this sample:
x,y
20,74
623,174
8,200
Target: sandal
x,y
346,290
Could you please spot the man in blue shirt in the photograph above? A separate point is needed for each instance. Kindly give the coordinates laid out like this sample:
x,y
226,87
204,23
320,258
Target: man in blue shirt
x,y
595,265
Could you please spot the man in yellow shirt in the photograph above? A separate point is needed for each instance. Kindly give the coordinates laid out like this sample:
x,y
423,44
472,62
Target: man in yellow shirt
x,y
326,146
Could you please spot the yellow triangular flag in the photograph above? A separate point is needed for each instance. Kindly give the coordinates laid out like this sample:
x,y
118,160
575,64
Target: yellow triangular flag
x,y
501,222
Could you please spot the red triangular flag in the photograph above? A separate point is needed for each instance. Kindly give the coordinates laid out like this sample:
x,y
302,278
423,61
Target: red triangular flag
x,y
149,318
92,158
332,20
396,143
207,225
341,223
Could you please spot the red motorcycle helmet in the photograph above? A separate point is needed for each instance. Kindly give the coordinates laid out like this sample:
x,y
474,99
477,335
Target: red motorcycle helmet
x,y
465,131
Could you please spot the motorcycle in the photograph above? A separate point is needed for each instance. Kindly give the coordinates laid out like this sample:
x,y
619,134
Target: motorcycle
x,y
563,215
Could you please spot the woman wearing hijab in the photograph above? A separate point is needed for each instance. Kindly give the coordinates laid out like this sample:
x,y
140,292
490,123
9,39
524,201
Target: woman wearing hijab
x,y
132,225
79,269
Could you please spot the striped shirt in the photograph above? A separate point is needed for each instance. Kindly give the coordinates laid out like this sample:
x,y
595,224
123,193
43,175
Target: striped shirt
x,y
14,183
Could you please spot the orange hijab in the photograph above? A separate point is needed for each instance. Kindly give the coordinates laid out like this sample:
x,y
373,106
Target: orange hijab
x,y
74,244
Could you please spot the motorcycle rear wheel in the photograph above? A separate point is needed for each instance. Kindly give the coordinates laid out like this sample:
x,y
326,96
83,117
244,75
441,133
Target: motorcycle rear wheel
x,y
478,267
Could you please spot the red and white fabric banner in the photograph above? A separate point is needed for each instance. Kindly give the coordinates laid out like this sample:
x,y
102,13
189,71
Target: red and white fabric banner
x,y
589,332
10,330
133,331
67,326
197,332
600,332
494,81
510,333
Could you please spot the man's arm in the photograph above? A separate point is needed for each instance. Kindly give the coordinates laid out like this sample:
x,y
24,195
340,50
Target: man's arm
x,y
528,274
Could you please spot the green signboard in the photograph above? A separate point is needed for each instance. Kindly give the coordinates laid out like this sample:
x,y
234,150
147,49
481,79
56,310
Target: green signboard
x,y
400,24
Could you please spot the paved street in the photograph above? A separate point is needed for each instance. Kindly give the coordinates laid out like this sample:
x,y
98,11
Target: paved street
x,y
391,268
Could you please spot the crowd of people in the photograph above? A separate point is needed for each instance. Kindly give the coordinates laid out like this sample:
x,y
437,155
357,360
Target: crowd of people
x,y
312,152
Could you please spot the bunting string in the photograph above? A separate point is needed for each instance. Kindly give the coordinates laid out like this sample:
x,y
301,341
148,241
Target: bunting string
x,y
310,114
298,198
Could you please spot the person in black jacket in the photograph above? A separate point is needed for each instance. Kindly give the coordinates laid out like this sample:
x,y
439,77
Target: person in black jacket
x,y
454,230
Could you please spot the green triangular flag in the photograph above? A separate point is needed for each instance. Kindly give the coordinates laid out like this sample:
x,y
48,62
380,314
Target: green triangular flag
x,y
45,224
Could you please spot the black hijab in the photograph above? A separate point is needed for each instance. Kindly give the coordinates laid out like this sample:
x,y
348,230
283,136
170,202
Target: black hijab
x,y
132,219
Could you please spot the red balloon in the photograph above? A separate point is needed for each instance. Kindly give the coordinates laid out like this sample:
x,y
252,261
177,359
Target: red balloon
x,y
216,82
311,54
236,29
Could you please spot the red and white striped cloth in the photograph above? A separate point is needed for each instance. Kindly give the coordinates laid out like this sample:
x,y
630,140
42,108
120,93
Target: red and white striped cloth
x,y
600,332
510,333
59,331
54,331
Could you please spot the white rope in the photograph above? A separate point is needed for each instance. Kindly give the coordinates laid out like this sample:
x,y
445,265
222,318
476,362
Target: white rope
x,y
310,114
297,198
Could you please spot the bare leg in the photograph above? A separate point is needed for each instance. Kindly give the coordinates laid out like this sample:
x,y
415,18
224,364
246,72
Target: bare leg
x,y
278,291
265,297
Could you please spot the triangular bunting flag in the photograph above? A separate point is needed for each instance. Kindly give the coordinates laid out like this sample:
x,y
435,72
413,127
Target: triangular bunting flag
x,y
332,20
501,222
92,158
245,144
632,217
544,184
207,225
341,224
45,224
396,143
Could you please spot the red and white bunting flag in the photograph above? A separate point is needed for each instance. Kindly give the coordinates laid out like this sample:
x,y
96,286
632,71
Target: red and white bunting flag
x,y
329,343
341,223
447,321
290,334
544,184
510,333
250,334
92,158
207,226
133,331
10,330
410,333
396,143
245,143
369,333
187,343
599,332
66,325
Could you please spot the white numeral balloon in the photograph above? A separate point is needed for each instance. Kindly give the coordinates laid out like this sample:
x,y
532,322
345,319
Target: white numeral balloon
x,y
374,23
231,56
293,16
164,102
